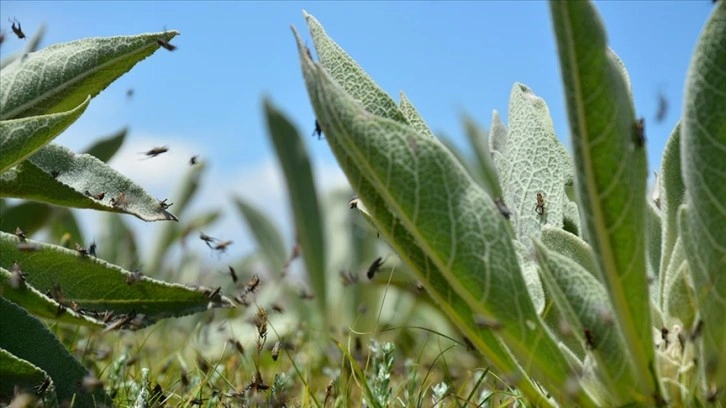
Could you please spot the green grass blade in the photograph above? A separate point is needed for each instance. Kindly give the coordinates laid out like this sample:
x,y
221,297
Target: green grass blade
x,y
703,148
432,212
26,337
268,238
672,193
611,175
479,143
19,138
105,148
56,175
58,78
96,285
309,225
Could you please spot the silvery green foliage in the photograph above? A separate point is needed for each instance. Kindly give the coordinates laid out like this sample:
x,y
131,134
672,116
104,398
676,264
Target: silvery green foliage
x,y
559,268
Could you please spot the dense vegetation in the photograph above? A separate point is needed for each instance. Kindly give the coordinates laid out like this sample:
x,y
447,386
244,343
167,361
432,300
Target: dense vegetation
x,y
524,276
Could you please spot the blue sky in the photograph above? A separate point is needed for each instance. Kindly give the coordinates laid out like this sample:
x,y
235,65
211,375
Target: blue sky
x,y
449,57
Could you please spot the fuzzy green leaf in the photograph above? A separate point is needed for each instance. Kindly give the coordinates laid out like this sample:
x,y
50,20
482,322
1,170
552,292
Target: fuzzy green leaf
x,y
351,76
309,224
58,78
19,138
703,148
536,162
27,338
414,118
78,178
611,174
18,375
420,197
679,297
21,293
268,238
571,246
97,286
586,307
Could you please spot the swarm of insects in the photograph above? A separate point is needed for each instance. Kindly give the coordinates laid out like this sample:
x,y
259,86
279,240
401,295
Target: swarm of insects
x,y
166,45
156,151
164,205
207,239
17,30
502,208
134,277
81,250
589,339
119,201
20,234
639,135
662,111
540,207
222,246
233,274
17,277
276,350
318,130
375,266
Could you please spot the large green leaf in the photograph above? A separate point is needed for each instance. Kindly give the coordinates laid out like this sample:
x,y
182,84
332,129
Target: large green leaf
x,y
18,375
27,338
97,286
585,303
611,175
438,219
58,176
703,148
351,76
309,225
58,78
435,284
268,238
19,138
104,148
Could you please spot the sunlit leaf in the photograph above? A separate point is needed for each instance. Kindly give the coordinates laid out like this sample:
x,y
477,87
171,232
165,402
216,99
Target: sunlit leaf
x,y
58,78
